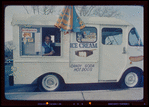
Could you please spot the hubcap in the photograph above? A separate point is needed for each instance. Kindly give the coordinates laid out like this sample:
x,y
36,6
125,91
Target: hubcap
x,y
50,82
131,79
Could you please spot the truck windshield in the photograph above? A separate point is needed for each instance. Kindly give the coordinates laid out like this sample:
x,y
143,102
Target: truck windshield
x,y
133,38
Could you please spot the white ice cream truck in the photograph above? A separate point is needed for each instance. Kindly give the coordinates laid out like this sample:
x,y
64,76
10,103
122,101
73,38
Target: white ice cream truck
x,y
106,50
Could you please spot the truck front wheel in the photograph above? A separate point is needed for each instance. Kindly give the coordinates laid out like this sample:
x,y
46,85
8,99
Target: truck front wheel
x,y
48,82
131,79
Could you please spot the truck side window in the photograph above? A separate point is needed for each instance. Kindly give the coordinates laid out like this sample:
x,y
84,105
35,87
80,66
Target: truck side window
x,y
87,34
111,36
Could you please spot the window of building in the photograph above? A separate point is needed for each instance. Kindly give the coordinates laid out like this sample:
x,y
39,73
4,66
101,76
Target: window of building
x,y
87,34
34,43
111,36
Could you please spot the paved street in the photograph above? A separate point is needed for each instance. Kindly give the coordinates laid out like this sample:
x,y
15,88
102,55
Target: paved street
x,y
28,92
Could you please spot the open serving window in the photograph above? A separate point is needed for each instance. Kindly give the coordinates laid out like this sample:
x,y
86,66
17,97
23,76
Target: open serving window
x,y
32,39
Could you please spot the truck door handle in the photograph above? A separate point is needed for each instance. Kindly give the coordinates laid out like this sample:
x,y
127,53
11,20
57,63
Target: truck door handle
x,y
124,50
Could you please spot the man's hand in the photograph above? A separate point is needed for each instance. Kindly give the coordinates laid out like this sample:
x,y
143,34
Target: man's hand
x,y
51,53
48,54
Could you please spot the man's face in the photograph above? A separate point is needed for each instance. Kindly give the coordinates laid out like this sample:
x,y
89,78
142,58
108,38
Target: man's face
x,y
47,40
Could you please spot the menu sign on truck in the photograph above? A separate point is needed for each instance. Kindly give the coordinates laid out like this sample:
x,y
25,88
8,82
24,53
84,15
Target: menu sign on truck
x,y
29,30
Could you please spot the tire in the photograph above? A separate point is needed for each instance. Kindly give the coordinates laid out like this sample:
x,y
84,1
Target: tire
x,y
131,79
48,82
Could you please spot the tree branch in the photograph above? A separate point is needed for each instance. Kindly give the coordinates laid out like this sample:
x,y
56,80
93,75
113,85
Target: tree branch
x,y
26,10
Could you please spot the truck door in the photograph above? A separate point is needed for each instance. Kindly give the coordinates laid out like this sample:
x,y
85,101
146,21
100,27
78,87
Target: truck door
x,y
113,52
84,55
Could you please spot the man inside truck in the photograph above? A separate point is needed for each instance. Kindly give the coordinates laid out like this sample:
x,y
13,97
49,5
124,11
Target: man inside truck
x,y
47,47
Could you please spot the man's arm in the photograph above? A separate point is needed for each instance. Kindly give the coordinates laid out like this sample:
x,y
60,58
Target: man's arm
x,y
47,54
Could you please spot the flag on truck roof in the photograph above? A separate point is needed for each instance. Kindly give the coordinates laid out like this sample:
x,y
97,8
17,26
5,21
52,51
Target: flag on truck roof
x,y
69,20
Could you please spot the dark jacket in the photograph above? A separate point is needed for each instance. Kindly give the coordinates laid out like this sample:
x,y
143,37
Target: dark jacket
x,y
47,49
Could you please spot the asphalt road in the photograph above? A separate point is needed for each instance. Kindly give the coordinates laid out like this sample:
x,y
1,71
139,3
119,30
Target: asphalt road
x,y
74,92
29,92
